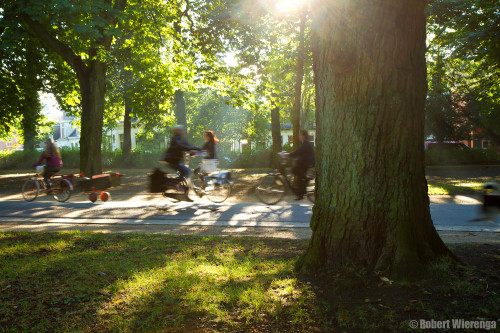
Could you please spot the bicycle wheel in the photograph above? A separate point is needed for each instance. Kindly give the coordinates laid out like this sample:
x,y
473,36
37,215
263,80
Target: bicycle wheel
x,y
270,190
217,190
31,189
61,189
310,191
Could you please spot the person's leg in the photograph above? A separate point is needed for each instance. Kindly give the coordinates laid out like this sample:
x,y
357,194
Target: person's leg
x,y
300,172
47,173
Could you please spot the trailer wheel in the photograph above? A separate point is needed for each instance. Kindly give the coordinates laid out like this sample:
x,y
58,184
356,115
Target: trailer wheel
x,y
105,196
93,197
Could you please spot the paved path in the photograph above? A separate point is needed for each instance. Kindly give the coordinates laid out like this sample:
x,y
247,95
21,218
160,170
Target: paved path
x,y
462,214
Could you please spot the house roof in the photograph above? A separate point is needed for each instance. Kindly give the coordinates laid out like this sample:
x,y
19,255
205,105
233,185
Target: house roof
x,y
74,134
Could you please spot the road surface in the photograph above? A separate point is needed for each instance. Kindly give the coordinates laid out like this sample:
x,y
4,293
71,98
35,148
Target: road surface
x,y
461,214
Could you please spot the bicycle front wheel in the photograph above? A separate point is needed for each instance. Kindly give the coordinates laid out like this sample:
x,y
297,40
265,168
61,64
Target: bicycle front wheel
x,y
217,191
61,189
31,189
270,190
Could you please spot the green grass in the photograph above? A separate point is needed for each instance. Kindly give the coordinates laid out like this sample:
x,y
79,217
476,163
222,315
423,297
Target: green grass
x,y
456,186
94,282
70,282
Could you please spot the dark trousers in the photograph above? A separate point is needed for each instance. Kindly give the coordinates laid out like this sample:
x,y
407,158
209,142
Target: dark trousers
x,y
300,172
183,170
49,172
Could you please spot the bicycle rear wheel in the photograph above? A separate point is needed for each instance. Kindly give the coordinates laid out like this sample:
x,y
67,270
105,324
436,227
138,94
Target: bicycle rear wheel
x,y
61,189
31,189
217,190
270,190
311,191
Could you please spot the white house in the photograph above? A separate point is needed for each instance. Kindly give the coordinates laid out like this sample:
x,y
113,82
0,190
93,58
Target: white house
x,y
114,136
65,133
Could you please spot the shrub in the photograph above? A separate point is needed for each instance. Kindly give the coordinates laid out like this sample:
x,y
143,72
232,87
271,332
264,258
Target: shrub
x,y
465,157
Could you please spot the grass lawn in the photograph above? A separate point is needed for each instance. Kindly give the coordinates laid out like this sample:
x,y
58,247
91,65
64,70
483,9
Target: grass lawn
x,y
94,282
456,186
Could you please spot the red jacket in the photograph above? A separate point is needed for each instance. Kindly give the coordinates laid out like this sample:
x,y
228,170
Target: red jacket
x,y
52,161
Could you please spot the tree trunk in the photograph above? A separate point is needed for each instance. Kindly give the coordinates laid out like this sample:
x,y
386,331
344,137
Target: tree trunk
x,y
276,134
92,88
91,79
30,120
372,207
305,111
31,103
127,128
298,83
180,108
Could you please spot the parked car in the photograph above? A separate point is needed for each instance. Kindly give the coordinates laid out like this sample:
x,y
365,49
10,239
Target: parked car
x,y
446,145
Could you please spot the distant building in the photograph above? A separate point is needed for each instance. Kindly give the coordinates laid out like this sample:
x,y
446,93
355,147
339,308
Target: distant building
x,y
11,143
114,137
65,134
286,138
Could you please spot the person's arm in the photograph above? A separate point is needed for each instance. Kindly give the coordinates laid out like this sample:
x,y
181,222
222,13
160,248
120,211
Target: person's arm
x,y
297,152
40,161
185,146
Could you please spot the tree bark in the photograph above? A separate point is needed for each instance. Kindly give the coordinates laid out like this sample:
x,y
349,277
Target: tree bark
x,y
31,103
92,89
180,108
298,83
305,111
372,207
30,112
276,134
127,128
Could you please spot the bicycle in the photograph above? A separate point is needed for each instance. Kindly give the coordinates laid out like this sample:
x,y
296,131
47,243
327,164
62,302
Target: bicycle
x,y
273,187
215,185
61,188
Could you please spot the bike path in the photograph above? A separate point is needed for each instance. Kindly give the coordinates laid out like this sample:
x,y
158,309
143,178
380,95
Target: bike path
x,y
446,216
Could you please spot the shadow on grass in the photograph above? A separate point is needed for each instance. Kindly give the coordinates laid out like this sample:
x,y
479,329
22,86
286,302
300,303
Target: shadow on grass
x,y
99,282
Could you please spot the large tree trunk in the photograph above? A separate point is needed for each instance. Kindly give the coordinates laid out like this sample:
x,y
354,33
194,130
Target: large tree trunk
x,y
276,134
92,88
298,83
127,128
372,207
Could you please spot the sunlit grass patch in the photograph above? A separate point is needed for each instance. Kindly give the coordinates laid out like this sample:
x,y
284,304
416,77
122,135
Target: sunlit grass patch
x,y
457,186
100,282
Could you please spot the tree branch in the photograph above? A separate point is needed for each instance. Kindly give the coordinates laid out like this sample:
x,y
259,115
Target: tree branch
x,y
113,20
53,44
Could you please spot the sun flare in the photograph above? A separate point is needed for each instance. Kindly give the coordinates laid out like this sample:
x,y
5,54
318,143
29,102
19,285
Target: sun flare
x,y
288,6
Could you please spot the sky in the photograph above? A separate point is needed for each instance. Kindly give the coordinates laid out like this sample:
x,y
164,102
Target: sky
x,y
50,108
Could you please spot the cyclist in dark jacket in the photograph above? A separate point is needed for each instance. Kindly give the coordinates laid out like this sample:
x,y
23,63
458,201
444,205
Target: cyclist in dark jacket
x,y
304,159
175,152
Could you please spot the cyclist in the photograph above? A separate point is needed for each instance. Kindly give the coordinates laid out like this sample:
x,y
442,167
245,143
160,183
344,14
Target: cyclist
x,y
174,155
54,162
209,147
304,159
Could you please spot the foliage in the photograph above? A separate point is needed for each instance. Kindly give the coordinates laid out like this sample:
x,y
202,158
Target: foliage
x,y
467,33
466,156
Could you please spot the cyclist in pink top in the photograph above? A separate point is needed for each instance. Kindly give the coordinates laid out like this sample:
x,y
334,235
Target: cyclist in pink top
x,y
54,162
